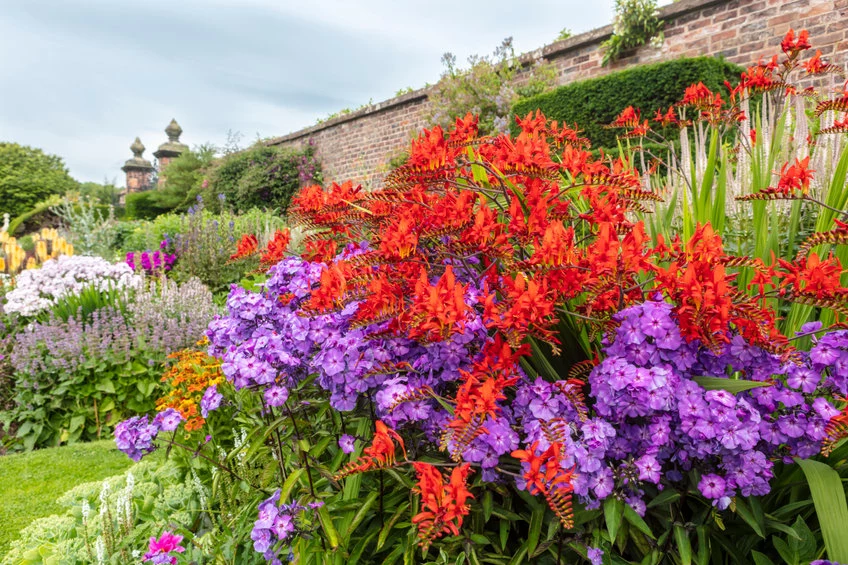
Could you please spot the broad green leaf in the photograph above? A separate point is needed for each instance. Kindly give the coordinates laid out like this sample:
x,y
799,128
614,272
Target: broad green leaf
x,y
636,521
744,512
732,386
831,509
684,547
761,559
387,527
613,513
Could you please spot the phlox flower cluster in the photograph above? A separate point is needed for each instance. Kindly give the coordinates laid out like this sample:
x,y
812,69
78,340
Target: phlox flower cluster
x,y
38,289
266,342
653,422
276,525
135,436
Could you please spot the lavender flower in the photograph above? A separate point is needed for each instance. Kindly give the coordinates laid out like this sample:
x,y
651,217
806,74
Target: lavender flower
x,y
211,401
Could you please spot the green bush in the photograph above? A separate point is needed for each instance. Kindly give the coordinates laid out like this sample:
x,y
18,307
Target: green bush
x,y
28,176
144,206
261,177
596,102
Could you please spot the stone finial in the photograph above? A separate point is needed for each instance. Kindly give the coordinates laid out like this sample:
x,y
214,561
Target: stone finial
x,y
137,148
174,131
137,162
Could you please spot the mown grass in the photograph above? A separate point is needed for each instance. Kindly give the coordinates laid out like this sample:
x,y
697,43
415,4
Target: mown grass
x,y
31,482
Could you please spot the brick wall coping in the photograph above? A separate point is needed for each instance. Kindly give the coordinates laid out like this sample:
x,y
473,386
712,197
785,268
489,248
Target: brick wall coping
x,y
595,36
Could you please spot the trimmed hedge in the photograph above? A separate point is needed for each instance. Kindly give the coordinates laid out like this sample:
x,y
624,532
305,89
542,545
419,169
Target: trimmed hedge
x,y
593,103
144,206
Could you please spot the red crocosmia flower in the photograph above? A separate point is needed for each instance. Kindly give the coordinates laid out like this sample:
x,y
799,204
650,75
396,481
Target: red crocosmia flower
x,y
247,246
628,118
381,454
792,46
320,250
697,95
668,119
796,176
443,506
276,250
815,65
466,128
400,237
437,311
532,124
753,135
812,276
332,288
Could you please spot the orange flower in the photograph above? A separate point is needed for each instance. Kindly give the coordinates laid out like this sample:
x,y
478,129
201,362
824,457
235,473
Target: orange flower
x,y
792,46
443,506
276,249
379,455
188,378
796,176
247,246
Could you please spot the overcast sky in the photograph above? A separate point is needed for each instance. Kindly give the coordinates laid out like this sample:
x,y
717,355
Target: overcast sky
x,y
82,78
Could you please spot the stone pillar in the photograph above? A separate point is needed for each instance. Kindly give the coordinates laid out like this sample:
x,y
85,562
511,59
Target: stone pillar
x,y
137,169
169,150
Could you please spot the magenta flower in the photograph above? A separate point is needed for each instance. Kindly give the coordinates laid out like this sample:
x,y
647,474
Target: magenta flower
x,y
712,486
160,549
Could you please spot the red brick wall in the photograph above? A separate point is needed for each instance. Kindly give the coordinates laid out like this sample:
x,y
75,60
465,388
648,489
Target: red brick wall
x,y
358,146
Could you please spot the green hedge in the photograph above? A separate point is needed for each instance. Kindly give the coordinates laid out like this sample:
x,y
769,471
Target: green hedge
x,y
593,103
144,206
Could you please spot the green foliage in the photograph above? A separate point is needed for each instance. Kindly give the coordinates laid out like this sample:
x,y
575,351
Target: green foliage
x,y
41,215
106,194
144,206
29,176
262,176
487,88
118,515
184,178
636,23
32,481
92,227
594,103
564,34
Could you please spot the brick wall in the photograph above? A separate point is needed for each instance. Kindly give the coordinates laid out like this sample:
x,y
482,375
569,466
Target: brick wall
x,y
359,145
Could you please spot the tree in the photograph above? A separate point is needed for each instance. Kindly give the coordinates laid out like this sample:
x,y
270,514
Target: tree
x,y
28,176
184,178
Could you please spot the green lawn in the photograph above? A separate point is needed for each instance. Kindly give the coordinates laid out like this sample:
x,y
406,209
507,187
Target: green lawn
x,y
30,483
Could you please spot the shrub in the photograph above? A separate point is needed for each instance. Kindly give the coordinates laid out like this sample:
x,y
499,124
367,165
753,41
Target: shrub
x,y
144,206
28,176
92,228
42,215
184,178
636,23
594,103
261,176
488,88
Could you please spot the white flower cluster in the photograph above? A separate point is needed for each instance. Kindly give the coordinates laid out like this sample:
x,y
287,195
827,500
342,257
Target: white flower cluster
x,y
38,289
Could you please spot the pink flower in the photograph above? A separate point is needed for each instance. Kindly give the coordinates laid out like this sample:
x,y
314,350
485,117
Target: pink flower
x,y
159,549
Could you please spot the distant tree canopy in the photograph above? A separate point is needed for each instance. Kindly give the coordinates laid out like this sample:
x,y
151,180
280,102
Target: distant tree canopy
x,y
28,176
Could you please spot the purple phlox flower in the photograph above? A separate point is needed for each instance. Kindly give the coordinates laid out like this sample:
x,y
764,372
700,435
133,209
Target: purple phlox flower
x,y
211,401
712,486
276,395
168,420
135,436
595,555
346,443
